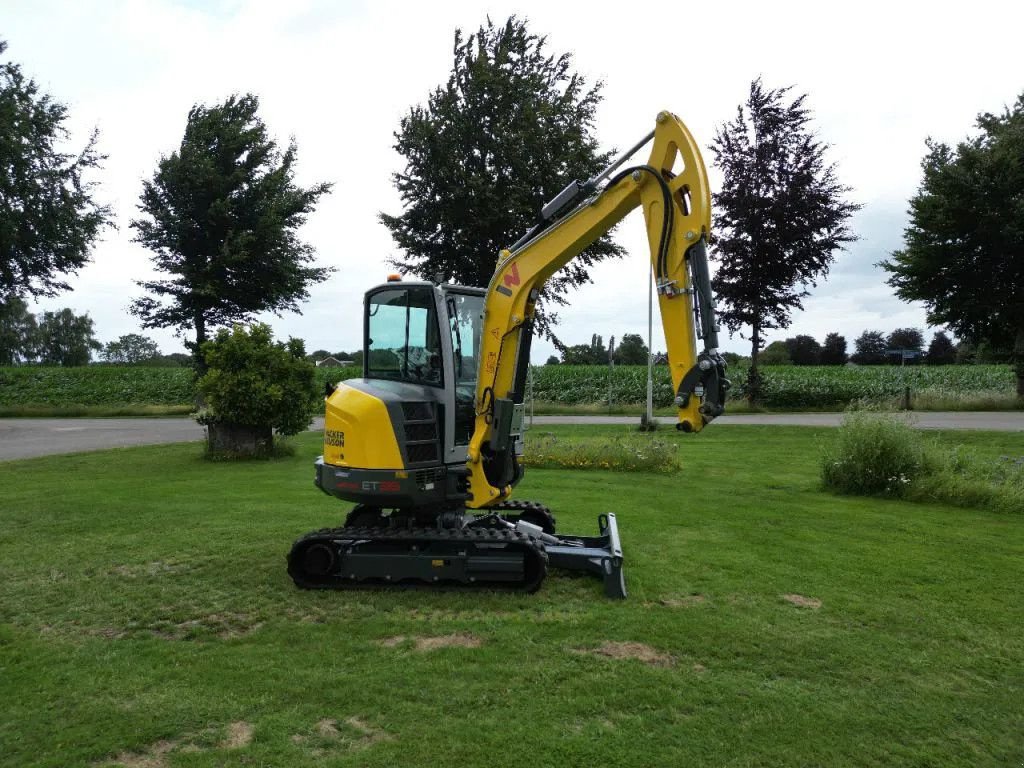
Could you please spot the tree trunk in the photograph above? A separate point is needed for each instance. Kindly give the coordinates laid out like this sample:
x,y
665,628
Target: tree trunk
x,y
239,439
198,363
754,375
1018,362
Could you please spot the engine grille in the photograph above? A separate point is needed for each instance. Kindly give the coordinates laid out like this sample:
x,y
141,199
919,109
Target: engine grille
x,y
418,411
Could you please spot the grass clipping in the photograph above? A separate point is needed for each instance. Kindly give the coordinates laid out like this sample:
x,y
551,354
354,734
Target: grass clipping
x,y
878,454
618,454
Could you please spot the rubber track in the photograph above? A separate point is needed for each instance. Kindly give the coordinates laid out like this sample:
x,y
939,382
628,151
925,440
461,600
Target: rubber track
x,y
420,536
518,506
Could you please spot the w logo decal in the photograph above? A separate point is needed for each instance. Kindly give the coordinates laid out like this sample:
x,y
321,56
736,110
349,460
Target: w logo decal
x,y
510,279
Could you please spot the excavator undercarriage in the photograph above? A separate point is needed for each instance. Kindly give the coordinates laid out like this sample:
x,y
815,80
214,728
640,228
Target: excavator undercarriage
x,y
496,549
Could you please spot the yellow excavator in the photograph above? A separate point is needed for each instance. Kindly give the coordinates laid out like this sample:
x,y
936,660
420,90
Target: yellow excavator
x,y
427,442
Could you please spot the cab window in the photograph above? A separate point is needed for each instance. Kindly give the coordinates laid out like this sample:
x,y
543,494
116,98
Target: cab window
x,y
403,342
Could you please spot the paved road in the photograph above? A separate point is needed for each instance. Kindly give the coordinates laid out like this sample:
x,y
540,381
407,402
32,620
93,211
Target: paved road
x,y
23,438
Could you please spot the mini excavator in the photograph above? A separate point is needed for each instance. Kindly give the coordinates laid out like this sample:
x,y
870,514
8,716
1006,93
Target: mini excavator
x,y
427,442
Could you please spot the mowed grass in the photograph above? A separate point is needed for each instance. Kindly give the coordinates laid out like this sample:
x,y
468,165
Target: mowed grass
x,y
146,619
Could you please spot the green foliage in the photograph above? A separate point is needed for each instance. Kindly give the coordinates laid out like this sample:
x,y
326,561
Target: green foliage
x,y
876,454
941,350
870,348
64,338
18,332
619,454
907,339
803,350
508,131
780,216
964,247
253,381
833,351
776,353
222,215
594,353
783,387
131,349
48,217
631,350
95,385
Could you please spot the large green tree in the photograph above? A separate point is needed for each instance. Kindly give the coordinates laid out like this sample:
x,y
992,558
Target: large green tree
x,y
833,351
49,218
18,332
131,349
780,217
508,131
221,215
65,338
963,253
941,351
631,350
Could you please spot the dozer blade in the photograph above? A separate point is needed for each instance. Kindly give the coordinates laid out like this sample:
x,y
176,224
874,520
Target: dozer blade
x,y
601,554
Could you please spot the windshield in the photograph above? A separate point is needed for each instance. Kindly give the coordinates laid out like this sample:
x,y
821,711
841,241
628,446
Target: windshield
x,y
403,341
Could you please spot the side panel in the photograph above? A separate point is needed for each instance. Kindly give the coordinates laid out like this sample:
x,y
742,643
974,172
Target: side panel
x,y
358,431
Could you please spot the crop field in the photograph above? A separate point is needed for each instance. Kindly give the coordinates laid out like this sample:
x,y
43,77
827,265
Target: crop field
x,y
785,387
146,619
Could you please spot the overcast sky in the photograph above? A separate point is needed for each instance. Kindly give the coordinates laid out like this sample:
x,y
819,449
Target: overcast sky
x,y
338,76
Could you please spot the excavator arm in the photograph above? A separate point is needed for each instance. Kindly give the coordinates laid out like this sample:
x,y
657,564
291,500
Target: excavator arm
x,y
672,188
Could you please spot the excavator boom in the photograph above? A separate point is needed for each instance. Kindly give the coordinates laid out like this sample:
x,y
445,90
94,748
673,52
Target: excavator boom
x,y
672,188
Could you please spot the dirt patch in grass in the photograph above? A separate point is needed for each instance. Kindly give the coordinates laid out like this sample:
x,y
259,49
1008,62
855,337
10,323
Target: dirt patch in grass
x,y
237,735
155,568
686,601
330,735
424,644
803,601
614,649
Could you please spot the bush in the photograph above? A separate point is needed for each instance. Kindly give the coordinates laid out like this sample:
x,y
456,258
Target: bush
x,y
882,455
626,454
876,455
254,387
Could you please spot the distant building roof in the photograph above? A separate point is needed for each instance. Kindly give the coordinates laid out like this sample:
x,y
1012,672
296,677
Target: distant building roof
x,y
333,362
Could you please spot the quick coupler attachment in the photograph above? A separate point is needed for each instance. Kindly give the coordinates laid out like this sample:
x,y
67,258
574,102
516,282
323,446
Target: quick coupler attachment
x,y
601,555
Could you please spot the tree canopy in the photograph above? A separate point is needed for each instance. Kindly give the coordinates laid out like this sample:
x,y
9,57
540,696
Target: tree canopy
x,y
49,218
631,350
221,215
870,348
963,253
941,351
18,332
803,350
833,351
131,349
64,338
508,131
779,218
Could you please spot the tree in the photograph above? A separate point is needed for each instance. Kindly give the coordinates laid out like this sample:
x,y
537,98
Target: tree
x,y
594,353
631,350
48,217
776,353
870,348
803,350
222,218
552,360
833,351
65,338
780,216
907,340
18,332
131,349
941,351
508,131
963,253
252,387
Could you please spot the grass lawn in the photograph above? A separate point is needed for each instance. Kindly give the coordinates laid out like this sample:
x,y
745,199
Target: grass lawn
x,y
146,619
